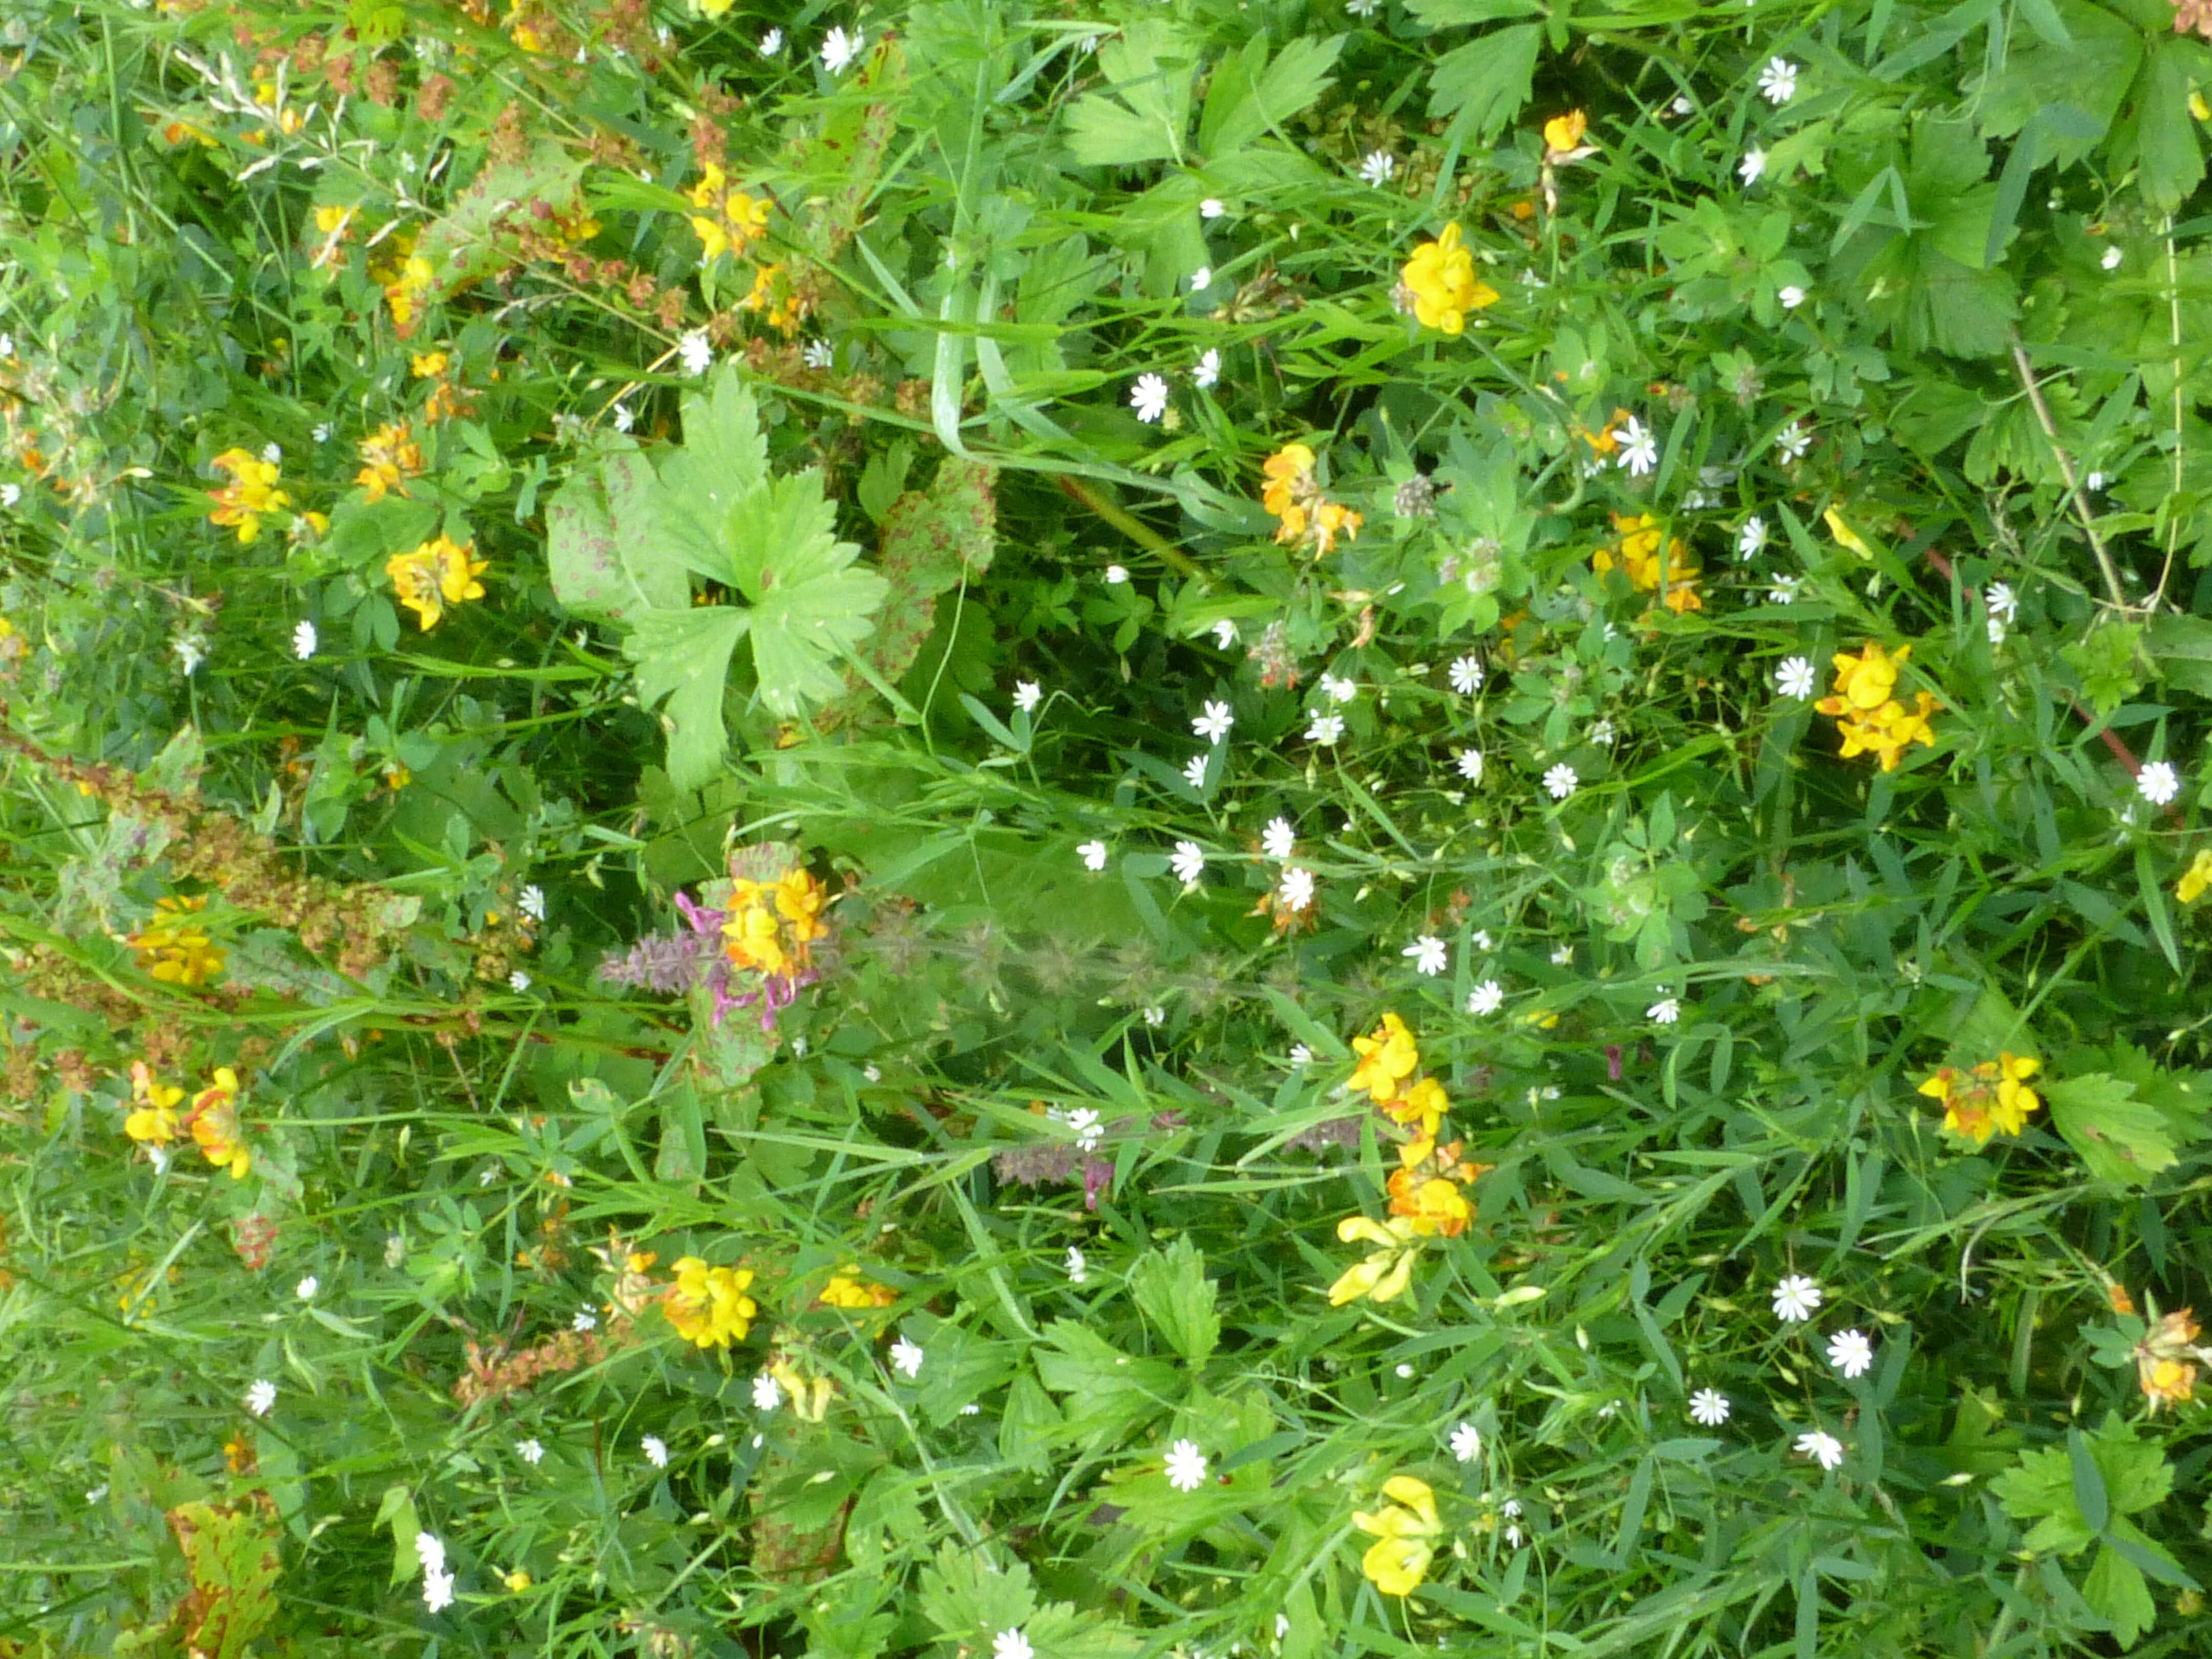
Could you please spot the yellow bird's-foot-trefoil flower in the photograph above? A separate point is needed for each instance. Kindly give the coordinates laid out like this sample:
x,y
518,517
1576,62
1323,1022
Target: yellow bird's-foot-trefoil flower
x,y
1406,1530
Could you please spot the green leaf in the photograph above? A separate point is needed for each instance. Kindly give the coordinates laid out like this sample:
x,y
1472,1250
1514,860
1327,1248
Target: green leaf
x,y
810,609
705,509
234,1561
2115,1587
1298,75
1444,13
970,1597
684,656
461,245
2170,162
2117,1136
1484,83
2089,1484
603,552
1150,66
1176,1298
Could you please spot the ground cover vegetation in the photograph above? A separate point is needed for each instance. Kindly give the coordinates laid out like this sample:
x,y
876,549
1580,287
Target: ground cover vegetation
x,y
1085,828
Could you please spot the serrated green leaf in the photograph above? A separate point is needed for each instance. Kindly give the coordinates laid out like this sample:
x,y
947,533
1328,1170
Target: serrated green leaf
x,y
704,510
1485,82
1297,75
1176,1298
2115,1587
2119,1136
2170,160
685,657
603,551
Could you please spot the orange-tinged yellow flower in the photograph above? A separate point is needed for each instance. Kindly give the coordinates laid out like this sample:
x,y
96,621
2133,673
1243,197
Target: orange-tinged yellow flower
x,y
1386,1059
1440,275
1563,133
389,458
730,220
1405,1530
405,293
799,900
415,581
215,1127
1383,1276
848,1289
709,1306
1422,1105
154,1122
1639,558
2167,1358
1425,1190
2196,878
1993,1098
251,495
427,365
173,948
750,937
1289,472
1865,681
457,571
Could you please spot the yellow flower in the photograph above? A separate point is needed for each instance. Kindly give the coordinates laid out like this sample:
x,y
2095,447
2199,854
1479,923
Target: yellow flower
x,y
1863,683
2167,1360
154,1122
847,1289
1406,1531
1289,472
750,939
799,900
1441,278
1845,536
1383,1276
406,290
709,1306
414,581
427,365
215,1127
389,459
518,1581
1424,1192
173,949
250,494
2195,880
811,1400
2016,1100
733,219
1993,1098
457,571
1639,558
1423,1104
1563,133
1386,1060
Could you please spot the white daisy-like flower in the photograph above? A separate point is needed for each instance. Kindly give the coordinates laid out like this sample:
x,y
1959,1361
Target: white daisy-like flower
x,y
1193,771
1186,1466
1777,81
1088,1126
2112,260
623,419
1639,450
306,1289
1822,1448
1325,729
1430,954
1201,279
768,1393
1214,725
1796,1298
1486,998
1094,855
1752,165
2157,783
1211,208
303,639
1466,676
430,1551
1467,1443
1225,634
532,902
1794,441
819,354
1665,1012
1851,1352
1116,574
1709,1407
1604,731
272,454
1377,168
1469,763
530,1452
1187,862
771,43
1278,840
1296,891
1751,537
1028,693
585,1320
698,357
1300,1055
518,981
1791,296
1078,1268
1148,396
1338,688
437,1590
2003,604
261,1398
1795,677
1011,1645
1560,782
1784,590
1204,374
907,1356
655,1450
839,49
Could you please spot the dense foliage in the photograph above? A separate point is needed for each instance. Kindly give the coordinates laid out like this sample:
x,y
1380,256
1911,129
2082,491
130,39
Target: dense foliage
x,y
1103,827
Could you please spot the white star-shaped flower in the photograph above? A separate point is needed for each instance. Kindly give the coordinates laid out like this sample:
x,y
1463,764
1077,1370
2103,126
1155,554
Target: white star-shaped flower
x,y
1148,397
1201,279
1794,441
1011,1645
819,354
1560,782
1469,763
530,1452
2003,605
1665,1012
1796,1299
1325,729
1466,676
697,355
1430,954
655,1450
1467,1443
1225,634
518,981
303,639
1028,693
306,1289
1639,450
1777,81
1377,168
906,1356
1193,770
771,43
1087,1125
1486,998
261,1398
1849,1353
1300,1055
1094,854
2112,258
1338,688
532,902
1116,574
1791,296
1296,891
1077,1269
624,418
768,1393
1211,208
1278,839
585,1320
1709,1407
1207,371
1563,956
1751,537
1754,164
1784,590
2157,783
1186,1466
1187,862
1795,677
839,49
1822,1448
1214,725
